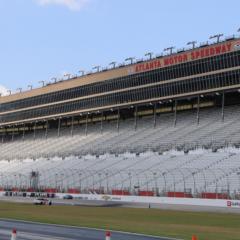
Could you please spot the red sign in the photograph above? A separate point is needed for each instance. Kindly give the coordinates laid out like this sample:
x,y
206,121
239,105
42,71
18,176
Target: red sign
x,y
184,57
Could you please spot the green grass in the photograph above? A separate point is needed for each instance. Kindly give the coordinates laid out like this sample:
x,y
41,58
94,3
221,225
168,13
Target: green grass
x,y
207,226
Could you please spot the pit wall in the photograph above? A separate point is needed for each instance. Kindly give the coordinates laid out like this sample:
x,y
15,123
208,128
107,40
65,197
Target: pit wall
x,y
223,203
159,200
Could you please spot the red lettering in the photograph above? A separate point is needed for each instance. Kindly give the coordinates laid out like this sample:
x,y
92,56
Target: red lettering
x,y
192,55
147,66
212,51
229,46
207,52
159,64
171,60
197,54
140,67
155,65
166,61
174,59
151,66
185,57
218,49
223,49
180,58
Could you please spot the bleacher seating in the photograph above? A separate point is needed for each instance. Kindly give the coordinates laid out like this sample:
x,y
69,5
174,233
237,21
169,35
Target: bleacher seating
x,y
148,173
187,134
186,159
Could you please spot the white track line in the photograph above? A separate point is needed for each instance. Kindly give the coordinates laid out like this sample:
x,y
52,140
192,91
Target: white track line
x,y
30,236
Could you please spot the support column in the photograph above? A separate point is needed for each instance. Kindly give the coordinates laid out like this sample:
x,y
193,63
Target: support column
x,y
59,127
223,105
198,105
175,113
118,119
46,132
23,135
12,133
72,125
154,114
5,133
101,122
86,127
34,131
136,118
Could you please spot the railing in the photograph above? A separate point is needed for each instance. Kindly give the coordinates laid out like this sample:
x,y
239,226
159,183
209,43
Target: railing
x,y
177,182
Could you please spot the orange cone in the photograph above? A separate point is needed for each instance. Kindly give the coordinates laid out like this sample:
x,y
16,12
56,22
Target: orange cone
x,y
14,234
194,237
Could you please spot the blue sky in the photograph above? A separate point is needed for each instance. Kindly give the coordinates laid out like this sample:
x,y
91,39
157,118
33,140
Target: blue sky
x,y
41,39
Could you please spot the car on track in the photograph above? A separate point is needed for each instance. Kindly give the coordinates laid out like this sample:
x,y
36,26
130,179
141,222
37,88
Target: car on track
x,y
68,196
41,201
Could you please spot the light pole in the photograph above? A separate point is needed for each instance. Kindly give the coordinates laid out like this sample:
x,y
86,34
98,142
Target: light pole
x,y
42,82
184,182
174,182
149,54
238,174
30,87
10,92
100,181
54,79
81,72
155,182
19,89
169,49
217,36
146,179
194,182
130,181
80,182
113,64
130,59
165,183
56,181
215,179
205,182
227,178
62,179
106,174
68,75
193,43
97,68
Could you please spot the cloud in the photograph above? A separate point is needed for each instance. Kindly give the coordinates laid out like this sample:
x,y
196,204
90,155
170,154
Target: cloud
x,y
3,90
73,5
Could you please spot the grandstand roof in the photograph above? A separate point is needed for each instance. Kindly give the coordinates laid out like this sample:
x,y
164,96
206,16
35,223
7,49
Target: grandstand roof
x,y
159,62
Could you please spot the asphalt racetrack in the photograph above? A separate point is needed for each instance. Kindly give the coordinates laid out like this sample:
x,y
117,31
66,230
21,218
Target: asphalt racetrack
x,y
35,231
93,203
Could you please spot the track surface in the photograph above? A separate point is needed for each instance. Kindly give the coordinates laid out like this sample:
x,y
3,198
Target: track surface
x,y
78,202
35,231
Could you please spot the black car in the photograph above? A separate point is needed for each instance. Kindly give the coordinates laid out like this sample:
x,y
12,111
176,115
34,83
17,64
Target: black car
x,y
68,197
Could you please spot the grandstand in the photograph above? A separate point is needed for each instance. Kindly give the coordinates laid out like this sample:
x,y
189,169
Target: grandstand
x,y
167,126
